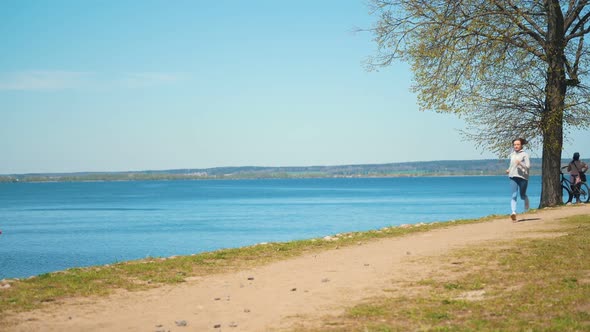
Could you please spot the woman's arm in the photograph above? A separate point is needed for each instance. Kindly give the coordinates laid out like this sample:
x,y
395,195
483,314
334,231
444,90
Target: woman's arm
x,y
527,162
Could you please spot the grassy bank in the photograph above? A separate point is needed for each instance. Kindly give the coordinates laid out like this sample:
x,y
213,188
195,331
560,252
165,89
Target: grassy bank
x,y
31,293
518,285
526,285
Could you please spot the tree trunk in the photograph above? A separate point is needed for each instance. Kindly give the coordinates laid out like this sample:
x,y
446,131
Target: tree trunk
x,y
552,122
551,193
552,118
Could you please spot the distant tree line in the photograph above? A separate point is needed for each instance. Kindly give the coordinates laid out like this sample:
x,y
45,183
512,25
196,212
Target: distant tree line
x,y
406,169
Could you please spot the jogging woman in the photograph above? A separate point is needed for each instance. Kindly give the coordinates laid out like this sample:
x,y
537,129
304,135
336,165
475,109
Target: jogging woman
x,y
518,172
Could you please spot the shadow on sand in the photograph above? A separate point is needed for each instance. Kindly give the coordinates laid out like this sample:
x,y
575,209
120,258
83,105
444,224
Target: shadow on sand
x,y
527,219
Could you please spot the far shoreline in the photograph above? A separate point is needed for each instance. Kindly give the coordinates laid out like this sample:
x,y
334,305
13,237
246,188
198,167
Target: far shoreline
x,y
439,168
231,178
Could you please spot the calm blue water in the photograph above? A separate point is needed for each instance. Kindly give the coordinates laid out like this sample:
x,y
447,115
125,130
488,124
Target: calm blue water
x,y
53,226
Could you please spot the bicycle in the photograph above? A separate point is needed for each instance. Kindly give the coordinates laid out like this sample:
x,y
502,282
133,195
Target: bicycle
x,y
570,190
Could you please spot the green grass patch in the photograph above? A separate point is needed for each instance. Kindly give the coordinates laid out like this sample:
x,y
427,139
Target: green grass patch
x,y
368,310
522,285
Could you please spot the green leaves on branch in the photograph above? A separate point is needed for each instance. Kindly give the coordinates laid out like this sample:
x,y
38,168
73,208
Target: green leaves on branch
x,y
490,62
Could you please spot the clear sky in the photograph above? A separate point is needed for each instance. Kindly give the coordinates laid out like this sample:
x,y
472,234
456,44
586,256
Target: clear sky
x,y
137,85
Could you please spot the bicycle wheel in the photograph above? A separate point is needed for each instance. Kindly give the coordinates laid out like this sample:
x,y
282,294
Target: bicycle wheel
x,y
584,193
566,195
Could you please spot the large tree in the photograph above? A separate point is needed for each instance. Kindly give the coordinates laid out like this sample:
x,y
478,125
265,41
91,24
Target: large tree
x,y
511,68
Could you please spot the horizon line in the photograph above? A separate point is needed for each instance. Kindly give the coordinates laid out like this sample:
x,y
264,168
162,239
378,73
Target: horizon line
x,y
250,166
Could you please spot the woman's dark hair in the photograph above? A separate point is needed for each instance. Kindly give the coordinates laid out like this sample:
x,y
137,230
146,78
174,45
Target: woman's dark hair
x,y
576,156
522,141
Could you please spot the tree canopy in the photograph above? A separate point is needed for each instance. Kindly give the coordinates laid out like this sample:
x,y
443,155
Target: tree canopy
x,y
511,68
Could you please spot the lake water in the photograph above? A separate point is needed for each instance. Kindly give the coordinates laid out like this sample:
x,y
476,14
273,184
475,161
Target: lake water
x,y
54,226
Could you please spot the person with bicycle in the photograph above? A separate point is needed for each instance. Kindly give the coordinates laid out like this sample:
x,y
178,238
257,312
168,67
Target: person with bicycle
x,y
575,168
518,172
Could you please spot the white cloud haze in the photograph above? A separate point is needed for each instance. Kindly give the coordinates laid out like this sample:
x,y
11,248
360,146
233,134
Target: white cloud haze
x,y
48,80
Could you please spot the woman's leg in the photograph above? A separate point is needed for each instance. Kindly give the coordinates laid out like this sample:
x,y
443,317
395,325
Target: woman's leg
x,y
575,187
514,186
523,184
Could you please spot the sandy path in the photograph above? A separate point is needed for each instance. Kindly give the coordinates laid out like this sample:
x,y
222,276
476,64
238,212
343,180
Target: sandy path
x,y
282,294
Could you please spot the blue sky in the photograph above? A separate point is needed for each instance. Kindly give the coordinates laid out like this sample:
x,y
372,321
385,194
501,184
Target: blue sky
x,y
146,84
